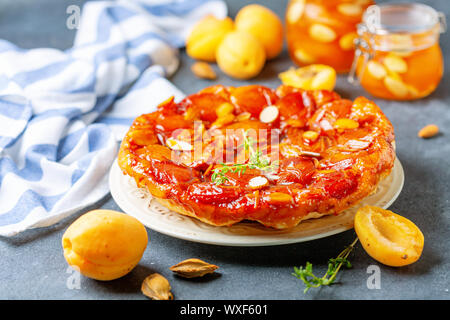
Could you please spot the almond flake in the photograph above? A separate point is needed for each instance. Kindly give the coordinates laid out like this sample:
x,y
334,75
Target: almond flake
x,y
269,114
310,153
357,144
178,145
258,182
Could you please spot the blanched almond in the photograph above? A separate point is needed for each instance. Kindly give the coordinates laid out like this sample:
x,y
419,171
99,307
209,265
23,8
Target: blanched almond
x,y
396,86
395,63
428,131
349,9
303,56
203,70
269,114
258,182
295,11
322,33
376,69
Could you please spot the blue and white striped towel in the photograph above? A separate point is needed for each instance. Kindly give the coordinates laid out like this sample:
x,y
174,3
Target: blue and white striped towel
x,y
62,112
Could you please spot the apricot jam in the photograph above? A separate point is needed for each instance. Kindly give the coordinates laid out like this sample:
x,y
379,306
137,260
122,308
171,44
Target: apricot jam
x,y
398,56
323,31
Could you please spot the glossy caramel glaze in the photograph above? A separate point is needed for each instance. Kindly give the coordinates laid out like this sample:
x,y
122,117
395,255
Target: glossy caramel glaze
x,y
352,145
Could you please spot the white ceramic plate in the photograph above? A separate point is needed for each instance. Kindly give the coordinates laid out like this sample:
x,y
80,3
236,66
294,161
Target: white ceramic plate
x,y
139,204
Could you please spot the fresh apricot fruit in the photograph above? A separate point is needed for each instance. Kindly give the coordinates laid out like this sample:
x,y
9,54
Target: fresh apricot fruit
x,y
104,244
388,237
312,77
206,36
264,25
240,55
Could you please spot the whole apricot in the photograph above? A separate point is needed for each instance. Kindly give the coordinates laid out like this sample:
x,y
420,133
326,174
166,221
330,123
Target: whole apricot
x,y
240,55
104,244
206,36
388,237
264,25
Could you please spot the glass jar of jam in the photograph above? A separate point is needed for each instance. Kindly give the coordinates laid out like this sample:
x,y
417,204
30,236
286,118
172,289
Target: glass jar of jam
x,y
323,31
398,56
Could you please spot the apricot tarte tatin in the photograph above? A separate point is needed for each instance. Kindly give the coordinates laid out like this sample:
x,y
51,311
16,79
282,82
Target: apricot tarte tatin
x,y
278,157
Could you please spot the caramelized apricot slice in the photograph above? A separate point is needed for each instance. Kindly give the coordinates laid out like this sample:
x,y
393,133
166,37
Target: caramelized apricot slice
x,y
388,237
292,107
205,104
252,99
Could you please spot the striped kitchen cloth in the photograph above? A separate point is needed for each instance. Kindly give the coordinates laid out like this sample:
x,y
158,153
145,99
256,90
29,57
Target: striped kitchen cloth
x,y
62,112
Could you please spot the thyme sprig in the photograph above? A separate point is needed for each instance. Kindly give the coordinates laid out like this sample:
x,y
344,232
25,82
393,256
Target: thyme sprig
x,y
334,265
256,161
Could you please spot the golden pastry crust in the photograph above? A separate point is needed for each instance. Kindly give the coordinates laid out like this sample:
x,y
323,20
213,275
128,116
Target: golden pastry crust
x,y
330,153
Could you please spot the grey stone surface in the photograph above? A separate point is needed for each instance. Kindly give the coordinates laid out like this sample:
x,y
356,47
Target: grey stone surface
x,y
32,265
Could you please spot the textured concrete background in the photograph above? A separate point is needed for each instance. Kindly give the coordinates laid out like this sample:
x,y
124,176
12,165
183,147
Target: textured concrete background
x,y
32,265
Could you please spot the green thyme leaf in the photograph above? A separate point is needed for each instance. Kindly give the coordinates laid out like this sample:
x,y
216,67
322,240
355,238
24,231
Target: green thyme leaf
x,y
256,161
334,265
